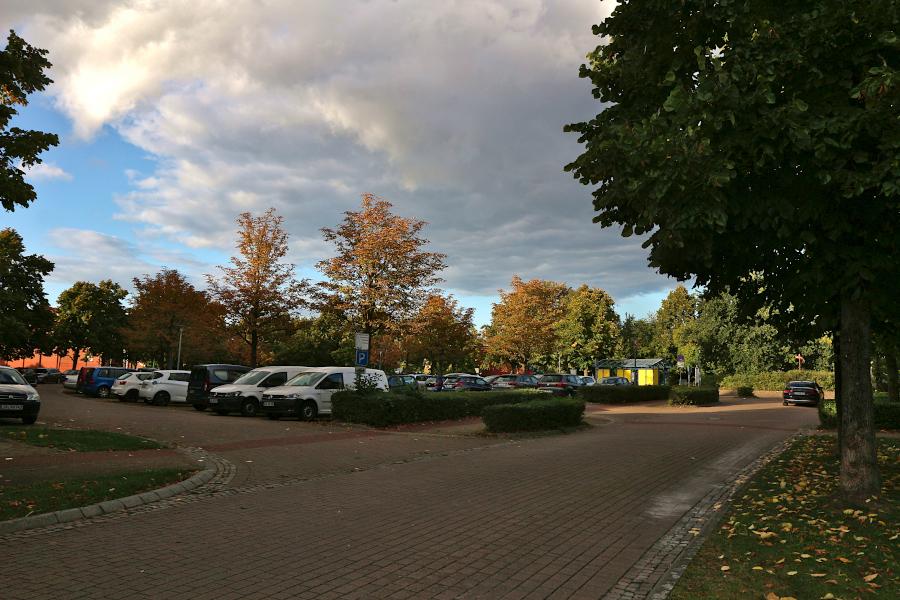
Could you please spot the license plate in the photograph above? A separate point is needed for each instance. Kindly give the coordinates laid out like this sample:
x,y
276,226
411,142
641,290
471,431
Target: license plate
x,y
213,400
268,404
799,393
11,407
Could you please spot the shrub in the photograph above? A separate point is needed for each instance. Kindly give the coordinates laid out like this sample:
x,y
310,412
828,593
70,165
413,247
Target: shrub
x,y
535,415
775,380
681,395
623,394
413,406
887,415
745,391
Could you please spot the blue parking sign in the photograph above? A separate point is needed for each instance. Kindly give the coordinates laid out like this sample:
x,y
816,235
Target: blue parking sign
x,y
362,358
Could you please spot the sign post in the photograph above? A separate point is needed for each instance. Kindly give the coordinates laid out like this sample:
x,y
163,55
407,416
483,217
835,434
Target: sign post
x,y
362,349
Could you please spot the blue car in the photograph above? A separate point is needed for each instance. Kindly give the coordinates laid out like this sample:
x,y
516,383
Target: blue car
x,y
98,381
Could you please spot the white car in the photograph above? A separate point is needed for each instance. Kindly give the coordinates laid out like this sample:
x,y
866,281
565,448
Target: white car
x,y
243,395
17,398
128,386
309,394
165,386
71,380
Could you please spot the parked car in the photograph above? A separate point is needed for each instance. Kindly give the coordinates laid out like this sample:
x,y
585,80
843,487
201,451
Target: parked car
x,y
463,382
44,375
309,394
128,386
243,395
588,380
614,381
98,381
206,377
512,381
71,380
802,392
29,375
18,399
401,381
446,381
560,384
164,386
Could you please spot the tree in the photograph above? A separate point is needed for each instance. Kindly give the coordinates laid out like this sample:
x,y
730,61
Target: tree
x,y
258,292
91,317
678,310
589,327
21,73
166,307
321,340
636,338
442,333
25,315
381,275
760,139
523,322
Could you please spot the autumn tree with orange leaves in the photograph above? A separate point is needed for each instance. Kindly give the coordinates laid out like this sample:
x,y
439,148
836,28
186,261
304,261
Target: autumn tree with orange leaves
x,y
381,274
259,291
442,333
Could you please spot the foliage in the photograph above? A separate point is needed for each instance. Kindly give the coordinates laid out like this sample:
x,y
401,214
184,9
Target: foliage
x,y
381,275
677,311
776,380
25,315
160,306
441,333
886,414
524,322
397,407
536,415
636,338
91,317
21,73
745,391
785,535
588,328
685,395
258,292
623,394
321,340
78,440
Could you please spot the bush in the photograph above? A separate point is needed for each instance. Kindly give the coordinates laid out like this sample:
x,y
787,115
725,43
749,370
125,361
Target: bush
x,y
685,395
775,380
745,391
413,406
887,415
535,415
622,394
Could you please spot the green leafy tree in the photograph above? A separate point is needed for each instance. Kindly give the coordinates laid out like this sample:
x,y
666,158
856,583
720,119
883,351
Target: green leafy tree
x,y
678,310
21,73
442,333
636,338
91,316
760,138
25,315
589,327
322,340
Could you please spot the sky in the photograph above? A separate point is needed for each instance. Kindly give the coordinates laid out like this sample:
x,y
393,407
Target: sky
x,y
175,116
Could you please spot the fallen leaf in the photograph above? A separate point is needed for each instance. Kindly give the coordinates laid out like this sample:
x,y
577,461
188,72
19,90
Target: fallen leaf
x,y
870,577
727,568
792,572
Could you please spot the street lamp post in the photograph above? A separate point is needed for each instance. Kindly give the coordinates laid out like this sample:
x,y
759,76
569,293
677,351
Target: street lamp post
x,y
178,360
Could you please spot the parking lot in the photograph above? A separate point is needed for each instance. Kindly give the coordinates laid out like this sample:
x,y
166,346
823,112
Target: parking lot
x,y
322,510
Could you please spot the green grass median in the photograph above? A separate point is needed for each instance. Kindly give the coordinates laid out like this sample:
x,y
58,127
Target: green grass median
x,y
78,440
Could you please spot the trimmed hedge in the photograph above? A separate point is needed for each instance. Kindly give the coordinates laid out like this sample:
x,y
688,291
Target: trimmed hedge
x,y
685,395
622,394
411,406
775,380
887,415
745,391
535,415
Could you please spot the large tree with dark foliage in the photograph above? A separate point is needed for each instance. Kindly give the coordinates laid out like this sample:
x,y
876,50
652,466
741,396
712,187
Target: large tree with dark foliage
x,y
25,314
756,145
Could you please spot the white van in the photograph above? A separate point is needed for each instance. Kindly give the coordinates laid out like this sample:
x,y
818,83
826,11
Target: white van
x,y
243,395
309,394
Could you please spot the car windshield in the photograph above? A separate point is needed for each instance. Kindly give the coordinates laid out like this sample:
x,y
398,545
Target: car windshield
x,y
11,377
551,378
305,379
252,378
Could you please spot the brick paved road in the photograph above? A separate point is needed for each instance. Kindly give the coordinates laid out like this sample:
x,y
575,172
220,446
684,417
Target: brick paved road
x,y
553,517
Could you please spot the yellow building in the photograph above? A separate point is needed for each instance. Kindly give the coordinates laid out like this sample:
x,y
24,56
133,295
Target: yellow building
x,y
649,371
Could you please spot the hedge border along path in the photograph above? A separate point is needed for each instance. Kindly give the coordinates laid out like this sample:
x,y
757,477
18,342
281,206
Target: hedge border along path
x,y
536,415
683,395
886,414
622,394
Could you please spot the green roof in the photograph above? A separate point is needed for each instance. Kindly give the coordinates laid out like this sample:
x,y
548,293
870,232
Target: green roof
x,y
630,363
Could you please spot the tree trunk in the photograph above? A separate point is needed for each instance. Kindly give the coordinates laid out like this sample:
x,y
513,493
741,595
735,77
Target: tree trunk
x,y
859,465
890,361
76,354
838,381
254,348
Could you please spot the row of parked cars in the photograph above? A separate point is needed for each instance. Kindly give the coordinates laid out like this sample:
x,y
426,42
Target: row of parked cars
x,y
560,383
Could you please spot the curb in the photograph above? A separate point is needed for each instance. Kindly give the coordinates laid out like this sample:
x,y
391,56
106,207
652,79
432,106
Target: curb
x,y
116,505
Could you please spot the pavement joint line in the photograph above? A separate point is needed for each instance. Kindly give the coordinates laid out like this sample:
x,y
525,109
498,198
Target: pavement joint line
x,y
654,575
218,473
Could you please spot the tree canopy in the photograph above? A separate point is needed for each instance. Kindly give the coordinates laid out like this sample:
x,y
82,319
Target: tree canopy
x,y
25,314
91,316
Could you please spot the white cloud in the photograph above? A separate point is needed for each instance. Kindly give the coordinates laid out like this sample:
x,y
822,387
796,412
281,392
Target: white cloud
x,y
45,171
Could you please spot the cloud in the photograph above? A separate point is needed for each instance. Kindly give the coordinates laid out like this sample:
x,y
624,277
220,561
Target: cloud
x,y
451,110
46,171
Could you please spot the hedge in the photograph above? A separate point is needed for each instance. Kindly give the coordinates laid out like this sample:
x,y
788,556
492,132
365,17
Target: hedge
x,y
887,414
745,391
535,415
410,406
622,394
775,380
681,395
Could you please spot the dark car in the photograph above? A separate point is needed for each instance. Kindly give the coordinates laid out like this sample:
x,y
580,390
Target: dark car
x,y
29,375
48,375
402,381
466,383
206,377
513,381
802,392
560,384
614,381
98,381
17,398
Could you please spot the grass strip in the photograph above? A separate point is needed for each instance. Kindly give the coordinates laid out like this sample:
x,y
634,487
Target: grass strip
x,y
49,496
788,535
78,440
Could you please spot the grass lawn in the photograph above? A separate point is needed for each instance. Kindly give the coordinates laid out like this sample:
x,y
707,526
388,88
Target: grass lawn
x,y
787,534
48,496
76,439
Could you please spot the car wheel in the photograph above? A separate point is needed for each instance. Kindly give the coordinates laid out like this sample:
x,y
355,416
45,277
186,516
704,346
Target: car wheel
x,y
200,407
29,420
221,413
161,398
249,407
132,395
103,392
308,411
